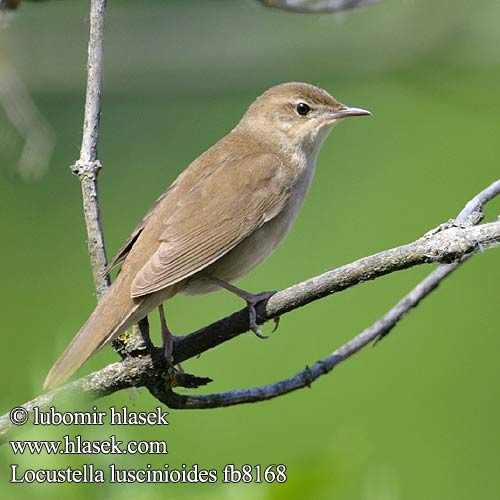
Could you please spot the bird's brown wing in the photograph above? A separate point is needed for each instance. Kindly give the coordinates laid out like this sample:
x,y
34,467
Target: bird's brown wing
x,y
213,217
127,246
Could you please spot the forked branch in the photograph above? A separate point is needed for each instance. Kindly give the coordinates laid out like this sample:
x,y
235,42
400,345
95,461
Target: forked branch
x,y
451,243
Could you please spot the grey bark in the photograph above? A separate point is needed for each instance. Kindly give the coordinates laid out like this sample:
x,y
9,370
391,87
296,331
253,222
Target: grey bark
x,y
87,166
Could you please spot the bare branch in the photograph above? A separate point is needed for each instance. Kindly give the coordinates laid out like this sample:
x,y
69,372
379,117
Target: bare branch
x,y
146,368
473,210
110,379
441,246
317,6
472,213
307,376
454,241
88,166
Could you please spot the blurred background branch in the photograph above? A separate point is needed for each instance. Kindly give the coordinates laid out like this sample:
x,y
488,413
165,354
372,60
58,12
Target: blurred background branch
x,y
9,4
14,4
24,115
316,6
299,6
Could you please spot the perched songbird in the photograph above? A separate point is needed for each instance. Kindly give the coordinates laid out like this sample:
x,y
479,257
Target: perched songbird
x,y
221,217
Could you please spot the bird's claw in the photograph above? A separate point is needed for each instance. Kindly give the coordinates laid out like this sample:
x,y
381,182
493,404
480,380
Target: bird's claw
x,y
253,320
276,323
251,303
257,332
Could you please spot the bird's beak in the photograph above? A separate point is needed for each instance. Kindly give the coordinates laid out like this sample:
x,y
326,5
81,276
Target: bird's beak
x,y
347,111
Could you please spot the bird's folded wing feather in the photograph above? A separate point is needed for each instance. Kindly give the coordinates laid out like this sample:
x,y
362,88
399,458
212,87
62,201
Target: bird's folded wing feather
x,y
237,198
127,246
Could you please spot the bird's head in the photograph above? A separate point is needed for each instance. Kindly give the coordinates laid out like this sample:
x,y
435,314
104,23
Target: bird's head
x,y
296,115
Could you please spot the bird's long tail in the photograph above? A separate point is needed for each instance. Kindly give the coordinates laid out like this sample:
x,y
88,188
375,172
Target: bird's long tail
x,y
112,316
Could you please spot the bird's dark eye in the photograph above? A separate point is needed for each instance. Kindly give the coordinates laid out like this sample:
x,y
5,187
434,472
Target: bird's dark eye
x,y
303,108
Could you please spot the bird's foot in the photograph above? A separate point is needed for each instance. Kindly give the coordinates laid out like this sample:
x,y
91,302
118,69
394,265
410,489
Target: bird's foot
x,y
252,300
276,323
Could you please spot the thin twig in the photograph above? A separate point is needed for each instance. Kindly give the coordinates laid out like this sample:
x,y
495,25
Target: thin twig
x,y
88,165
474,208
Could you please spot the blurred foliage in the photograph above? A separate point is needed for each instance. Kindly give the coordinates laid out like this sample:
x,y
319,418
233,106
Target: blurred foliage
x,y
415,417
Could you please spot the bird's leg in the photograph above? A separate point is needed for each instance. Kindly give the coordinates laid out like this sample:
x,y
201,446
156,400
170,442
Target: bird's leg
x,y
168,341
251,300
166,336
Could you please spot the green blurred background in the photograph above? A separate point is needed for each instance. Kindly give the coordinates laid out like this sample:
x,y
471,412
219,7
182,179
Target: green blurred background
x,y
416,417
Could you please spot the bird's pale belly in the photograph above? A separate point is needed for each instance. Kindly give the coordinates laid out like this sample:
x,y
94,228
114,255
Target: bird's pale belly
x,y
246,255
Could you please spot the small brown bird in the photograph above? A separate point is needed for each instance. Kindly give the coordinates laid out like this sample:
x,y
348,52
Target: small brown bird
x,y
221,217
